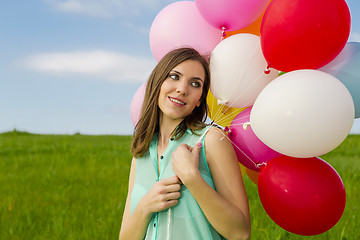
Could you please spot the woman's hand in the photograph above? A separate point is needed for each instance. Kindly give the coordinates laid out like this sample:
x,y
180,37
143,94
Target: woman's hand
x,y
185,162
163,195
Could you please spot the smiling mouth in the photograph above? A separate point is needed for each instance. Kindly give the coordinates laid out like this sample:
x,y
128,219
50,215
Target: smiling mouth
x,y
177,101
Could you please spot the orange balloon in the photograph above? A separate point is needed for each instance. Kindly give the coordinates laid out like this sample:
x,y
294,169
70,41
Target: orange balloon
x,y
221,114
253,175
253,28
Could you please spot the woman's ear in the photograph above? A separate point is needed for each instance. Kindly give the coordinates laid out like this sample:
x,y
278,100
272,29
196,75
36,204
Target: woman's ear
x,y
198,105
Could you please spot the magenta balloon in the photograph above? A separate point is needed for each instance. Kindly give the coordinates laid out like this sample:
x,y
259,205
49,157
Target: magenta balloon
x,y
249,149
181,25
231,14
305,196
136,103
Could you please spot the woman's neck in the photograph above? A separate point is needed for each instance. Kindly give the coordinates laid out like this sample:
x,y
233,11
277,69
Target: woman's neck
x,y
166,127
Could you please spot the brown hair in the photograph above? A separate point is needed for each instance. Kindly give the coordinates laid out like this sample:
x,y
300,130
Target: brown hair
x,y
148,123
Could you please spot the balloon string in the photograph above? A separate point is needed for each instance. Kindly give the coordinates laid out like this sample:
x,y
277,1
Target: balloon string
x,y
220,118
224,118
239,119
250,85
257,165
218,112
233,115
239,80
203,135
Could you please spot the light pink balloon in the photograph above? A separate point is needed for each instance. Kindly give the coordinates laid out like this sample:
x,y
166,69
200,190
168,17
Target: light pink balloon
x,y
231,14
181,25
249,149
136,103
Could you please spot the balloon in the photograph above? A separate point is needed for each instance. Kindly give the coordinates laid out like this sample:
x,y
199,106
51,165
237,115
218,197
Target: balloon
x,y
253,175
242,169
304,34
231,14
253,28
303,113
181,25
345,67
237,70
221,114
304,196
249,149
136,103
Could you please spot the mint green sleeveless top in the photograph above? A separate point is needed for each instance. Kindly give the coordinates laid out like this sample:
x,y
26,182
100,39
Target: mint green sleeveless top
x,y
185,220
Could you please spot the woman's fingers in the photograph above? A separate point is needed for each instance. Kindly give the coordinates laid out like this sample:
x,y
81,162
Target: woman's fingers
x,y
164,194
173,196
170,180
172,203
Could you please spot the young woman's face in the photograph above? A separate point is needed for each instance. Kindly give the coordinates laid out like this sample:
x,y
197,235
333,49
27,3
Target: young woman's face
x,y
181,91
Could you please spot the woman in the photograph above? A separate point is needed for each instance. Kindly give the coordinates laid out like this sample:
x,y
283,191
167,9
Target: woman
x,y
185,181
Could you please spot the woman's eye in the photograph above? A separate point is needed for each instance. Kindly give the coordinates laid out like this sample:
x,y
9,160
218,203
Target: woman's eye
x,y
196,84
174,76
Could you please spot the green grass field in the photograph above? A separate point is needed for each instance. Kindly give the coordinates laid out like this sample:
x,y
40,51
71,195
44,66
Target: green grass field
x,y
74,187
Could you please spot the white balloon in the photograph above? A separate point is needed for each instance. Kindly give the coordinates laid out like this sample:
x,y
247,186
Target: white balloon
x,y
304,113
237,70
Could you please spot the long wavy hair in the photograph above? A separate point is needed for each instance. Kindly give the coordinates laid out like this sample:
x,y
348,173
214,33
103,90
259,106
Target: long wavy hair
x,y
148,123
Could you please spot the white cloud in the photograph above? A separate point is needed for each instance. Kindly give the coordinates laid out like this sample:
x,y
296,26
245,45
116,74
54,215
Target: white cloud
x,y
105,8
105,65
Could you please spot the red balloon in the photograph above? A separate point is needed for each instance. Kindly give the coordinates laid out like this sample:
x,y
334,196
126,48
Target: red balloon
x,y
304,34
305,196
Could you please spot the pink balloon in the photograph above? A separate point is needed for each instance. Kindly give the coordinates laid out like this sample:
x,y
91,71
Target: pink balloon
x,y
249,149
231,14
136,103
181,25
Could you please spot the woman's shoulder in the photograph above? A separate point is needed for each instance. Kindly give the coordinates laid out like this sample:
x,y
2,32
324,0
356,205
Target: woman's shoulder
x,y
216,137
215,131
218,147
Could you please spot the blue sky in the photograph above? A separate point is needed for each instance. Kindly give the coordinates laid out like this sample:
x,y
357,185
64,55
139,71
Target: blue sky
x,y
70,66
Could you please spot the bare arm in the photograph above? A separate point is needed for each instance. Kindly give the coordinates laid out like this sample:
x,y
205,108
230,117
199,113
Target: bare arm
x,y
226,208
163,195
133,226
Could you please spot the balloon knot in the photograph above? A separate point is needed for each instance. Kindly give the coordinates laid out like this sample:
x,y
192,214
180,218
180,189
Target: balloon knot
x,y
267,70
260,165
227,129
246,125
222,102
223,33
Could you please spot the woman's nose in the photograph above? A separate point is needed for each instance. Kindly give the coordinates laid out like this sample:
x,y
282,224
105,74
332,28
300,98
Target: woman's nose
x,y
181,88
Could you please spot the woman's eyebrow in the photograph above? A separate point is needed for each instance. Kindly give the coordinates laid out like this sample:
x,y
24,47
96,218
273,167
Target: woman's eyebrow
x,y
177,72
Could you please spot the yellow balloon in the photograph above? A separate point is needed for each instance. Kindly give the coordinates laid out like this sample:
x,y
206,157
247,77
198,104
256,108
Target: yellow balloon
x,y
242,169
221,114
